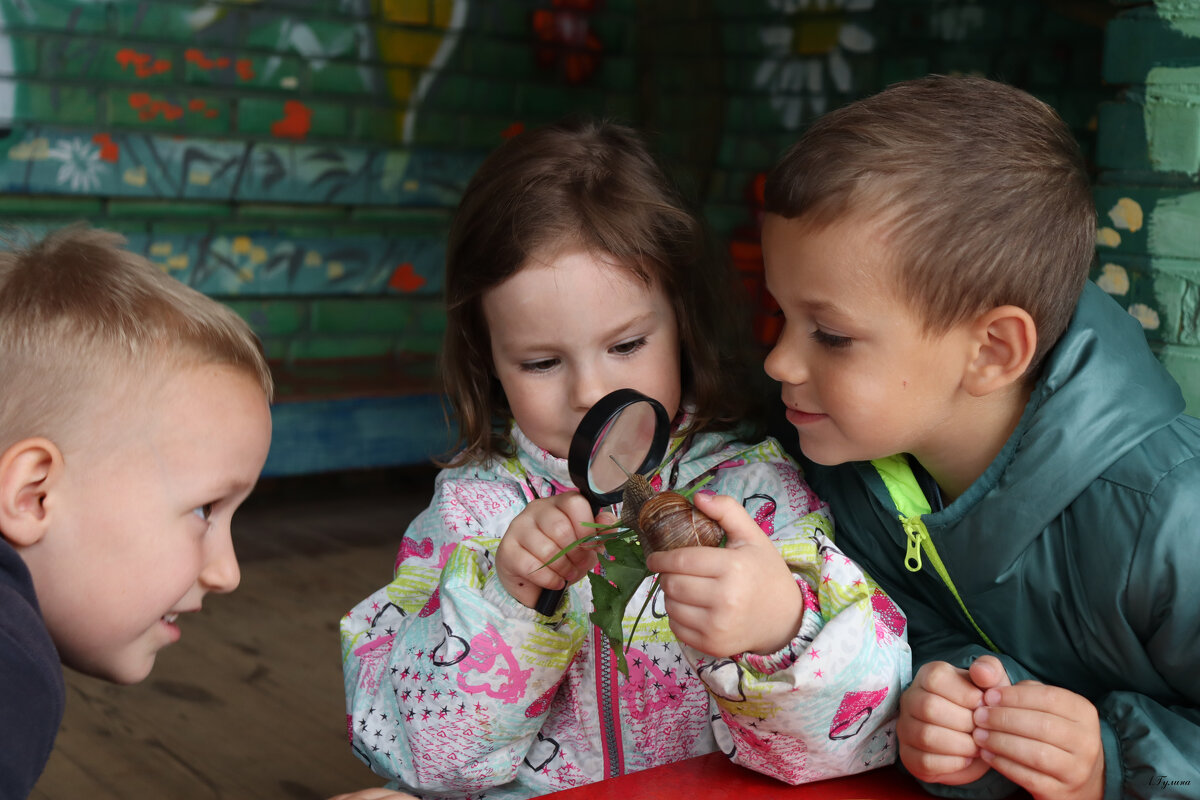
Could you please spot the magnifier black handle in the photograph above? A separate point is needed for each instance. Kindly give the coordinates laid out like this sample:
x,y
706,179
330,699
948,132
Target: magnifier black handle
x,y
548,600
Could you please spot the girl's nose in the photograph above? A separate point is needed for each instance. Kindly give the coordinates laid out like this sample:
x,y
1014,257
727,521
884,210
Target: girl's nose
x,y
587,386
221,573
785,362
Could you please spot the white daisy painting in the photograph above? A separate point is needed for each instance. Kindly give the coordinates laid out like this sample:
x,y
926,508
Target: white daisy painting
x,y
808,54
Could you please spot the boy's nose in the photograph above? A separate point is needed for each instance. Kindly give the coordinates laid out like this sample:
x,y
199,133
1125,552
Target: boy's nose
x,y
221,573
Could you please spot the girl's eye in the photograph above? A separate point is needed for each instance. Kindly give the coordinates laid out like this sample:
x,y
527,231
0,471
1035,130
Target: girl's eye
x,y
204,511
826,339
545,365
630,347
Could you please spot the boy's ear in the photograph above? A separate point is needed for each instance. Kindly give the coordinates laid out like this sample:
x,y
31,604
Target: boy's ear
x,y
1004,341
28,470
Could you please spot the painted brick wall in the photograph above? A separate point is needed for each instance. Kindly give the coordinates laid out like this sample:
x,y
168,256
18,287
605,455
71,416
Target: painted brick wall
x,y
300,159
729,84
1148,193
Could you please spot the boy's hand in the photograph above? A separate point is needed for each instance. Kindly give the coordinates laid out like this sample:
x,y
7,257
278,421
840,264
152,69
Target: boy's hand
x,y
736,599
936,723
538,533
1045,739
374,794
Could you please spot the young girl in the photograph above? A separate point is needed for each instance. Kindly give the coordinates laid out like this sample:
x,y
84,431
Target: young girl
x,y
573,270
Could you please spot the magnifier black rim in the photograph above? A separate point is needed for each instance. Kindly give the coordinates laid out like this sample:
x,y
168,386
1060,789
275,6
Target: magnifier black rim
x,y
594,421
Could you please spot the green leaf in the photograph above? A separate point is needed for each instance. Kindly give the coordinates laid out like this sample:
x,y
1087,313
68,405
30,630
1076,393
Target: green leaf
x,y
612,592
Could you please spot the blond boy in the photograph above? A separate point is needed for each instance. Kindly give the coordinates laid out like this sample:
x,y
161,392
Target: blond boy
x,y
134,420
1000,449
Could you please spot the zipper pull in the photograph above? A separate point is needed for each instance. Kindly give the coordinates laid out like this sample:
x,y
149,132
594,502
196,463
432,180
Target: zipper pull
x,y
914,532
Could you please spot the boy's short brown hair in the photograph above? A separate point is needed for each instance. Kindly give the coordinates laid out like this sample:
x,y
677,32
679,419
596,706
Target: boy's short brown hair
x,y
79,314
980,188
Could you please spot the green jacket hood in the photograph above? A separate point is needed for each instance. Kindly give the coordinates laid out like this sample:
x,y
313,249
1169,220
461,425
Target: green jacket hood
x,y
1102,392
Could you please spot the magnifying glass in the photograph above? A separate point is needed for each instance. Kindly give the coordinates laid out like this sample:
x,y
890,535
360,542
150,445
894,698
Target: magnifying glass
x,y
624,430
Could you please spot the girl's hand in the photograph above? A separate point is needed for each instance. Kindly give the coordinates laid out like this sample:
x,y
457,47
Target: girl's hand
x,y
736,599
374,794
538,533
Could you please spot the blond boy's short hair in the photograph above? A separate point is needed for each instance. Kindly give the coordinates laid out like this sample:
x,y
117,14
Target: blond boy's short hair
x,y
981,191
80,314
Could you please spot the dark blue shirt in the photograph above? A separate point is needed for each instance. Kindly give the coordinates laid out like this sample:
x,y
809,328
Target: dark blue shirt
x,y
31,681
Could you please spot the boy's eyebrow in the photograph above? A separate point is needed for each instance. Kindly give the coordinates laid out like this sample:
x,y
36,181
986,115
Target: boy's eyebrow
x,y
823,306
232,487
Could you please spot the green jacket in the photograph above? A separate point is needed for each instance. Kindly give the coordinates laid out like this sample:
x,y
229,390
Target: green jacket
x,y
1076,553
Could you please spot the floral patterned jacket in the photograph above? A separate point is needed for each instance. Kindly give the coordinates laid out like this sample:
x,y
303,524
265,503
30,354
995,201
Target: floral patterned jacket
x,y
453,689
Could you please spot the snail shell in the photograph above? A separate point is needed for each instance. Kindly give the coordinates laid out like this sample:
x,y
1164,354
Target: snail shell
x,y
668,520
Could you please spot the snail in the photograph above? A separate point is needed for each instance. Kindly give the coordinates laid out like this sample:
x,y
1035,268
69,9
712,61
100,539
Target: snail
x,y
665,520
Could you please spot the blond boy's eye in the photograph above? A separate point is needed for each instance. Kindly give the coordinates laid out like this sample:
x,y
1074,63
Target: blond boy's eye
x,y
204,511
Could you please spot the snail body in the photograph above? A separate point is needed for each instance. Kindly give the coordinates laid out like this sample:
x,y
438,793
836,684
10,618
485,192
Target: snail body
x,y
665,520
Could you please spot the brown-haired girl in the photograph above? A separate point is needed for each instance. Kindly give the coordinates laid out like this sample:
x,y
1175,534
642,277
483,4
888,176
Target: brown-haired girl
x,y
574,269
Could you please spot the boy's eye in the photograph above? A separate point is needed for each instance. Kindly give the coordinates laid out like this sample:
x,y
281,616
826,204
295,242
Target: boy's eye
x,y
630,347
827,339
544,365
204,511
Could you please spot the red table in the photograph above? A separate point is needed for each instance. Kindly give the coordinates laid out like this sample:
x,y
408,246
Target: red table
x,y
715,777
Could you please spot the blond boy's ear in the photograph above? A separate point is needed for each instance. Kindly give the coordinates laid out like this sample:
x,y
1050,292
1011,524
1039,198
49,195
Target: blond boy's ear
x,y
28,470
1004,341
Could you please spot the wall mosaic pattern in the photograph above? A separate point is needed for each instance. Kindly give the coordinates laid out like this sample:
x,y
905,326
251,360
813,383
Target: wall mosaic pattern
x,y
1148,193
300,159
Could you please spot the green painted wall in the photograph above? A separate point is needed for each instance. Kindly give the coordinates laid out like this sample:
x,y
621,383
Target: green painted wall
x,y
301,159
1148,190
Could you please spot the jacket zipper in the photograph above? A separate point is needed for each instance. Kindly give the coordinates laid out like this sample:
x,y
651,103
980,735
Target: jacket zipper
x,y
610,711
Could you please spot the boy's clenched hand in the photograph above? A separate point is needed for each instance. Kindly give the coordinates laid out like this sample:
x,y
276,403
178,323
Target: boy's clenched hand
x,y
936,725
1045,739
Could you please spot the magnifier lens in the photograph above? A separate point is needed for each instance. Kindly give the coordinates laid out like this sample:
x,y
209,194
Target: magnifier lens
x,y
624,443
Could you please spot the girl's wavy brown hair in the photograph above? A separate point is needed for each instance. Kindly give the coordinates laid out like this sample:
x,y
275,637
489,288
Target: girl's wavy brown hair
x,y
592,185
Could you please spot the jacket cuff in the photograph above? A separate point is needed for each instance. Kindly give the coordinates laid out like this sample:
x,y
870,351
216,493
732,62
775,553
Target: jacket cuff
x,y
509,607
768,664
1114,763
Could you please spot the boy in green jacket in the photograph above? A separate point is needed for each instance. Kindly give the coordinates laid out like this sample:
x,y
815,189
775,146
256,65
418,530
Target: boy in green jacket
x,y
999,446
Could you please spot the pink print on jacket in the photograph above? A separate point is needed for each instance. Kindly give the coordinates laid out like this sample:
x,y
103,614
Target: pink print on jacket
x,y
373,656
888,618
853,713
504,682
422,550
665,711
782,757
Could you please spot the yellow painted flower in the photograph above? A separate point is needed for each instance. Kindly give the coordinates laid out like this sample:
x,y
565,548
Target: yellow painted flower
x,y
1113,279
135,176
1126,214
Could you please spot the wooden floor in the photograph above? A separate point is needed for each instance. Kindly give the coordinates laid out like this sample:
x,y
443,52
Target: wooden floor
x,y
249,704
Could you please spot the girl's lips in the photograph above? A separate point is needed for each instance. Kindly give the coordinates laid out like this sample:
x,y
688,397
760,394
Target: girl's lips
x,y
803,417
